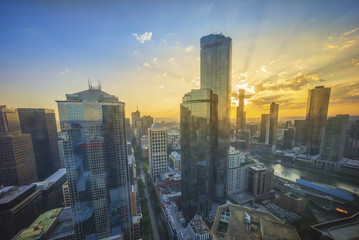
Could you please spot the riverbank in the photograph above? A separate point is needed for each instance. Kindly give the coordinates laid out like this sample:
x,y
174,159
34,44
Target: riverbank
x,y
293,171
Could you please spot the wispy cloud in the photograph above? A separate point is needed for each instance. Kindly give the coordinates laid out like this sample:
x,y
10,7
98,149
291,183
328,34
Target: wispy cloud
x,y
144,37
147,65
351,31
30,30
155,59
67,70
189,48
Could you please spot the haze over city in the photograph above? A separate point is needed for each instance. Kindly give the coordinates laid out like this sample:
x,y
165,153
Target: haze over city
x,y
148,53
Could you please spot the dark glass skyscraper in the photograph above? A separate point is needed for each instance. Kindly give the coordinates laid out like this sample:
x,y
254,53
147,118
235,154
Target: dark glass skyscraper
x,y
198,147
17,160
216,74
273,123
41,124
241,115
317,110
93,123
264,133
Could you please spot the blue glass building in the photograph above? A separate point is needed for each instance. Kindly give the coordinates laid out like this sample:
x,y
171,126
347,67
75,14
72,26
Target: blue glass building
x,y
216,74
93,126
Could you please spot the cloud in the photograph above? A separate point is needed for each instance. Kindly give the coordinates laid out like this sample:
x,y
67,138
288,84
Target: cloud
x,y
162,86
164,41
189,48
351,31
147,65
276,83
345,93
172,61
164,74
67,70
30,30
155,59
144,37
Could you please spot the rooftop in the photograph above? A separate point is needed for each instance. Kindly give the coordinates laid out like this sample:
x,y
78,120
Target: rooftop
x,y
175,155
93,94
340,229
7,194
48,182
56,222
238,222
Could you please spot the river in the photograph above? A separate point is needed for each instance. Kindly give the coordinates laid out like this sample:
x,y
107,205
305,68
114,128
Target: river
x,y
293,174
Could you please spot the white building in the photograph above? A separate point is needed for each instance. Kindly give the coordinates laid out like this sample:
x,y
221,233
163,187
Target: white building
x,y
174,140
157,136
236,171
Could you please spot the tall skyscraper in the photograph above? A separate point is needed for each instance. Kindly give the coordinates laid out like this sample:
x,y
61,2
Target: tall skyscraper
x,y
157,136
241,115
136,123
334,137
273,123
128,129
216,74
198,151
146,123
17,160
41,124
317,110
96,163
264,133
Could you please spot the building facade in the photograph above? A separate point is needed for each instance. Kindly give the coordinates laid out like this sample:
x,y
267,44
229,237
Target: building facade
x,y
259,180
157,135
273,123
18,165
41,124
93,123
146,123
198,126
264,132
216,74
316,116
334,138
175,161
241,114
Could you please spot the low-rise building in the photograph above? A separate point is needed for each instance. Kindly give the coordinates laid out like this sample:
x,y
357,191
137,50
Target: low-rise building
x,y
292,202
238,222
262,148
55,224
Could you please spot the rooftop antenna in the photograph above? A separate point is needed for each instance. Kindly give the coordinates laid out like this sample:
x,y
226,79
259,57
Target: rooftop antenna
x,y
99,84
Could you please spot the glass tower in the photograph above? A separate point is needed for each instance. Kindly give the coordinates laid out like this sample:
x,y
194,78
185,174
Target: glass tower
x,y
216,74
198,148
93,128
41,124
241,115
317,110
273,123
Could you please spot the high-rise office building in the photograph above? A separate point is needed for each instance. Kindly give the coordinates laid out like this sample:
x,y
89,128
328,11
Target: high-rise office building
x,y
17,159
128,129
157,136
146,123
316,116
198,126
241,115
300,134
273,123
19,206
96,164
334,137
136,124
264,132
352,142
41,124
216,74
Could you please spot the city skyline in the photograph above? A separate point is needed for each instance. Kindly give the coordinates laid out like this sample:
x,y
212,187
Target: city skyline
x,y
148,58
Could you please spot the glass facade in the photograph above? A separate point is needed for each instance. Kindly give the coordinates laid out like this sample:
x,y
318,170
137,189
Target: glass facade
x,y
198,150
41,124
216,74
93,130
241,117
317,110
273,123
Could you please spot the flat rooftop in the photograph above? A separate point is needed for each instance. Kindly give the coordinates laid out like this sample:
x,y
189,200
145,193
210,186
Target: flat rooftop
x,y
55,177
230,223
340,229
7,194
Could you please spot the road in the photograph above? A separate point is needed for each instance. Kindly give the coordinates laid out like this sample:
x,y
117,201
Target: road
x,y
154,225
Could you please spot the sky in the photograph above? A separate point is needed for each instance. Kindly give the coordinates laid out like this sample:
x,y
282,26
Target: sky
x,y
147,52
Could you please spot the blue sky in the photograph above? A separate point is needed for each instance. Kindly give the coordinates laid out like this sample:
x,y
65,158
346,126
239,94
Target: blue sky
x,y
280,50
